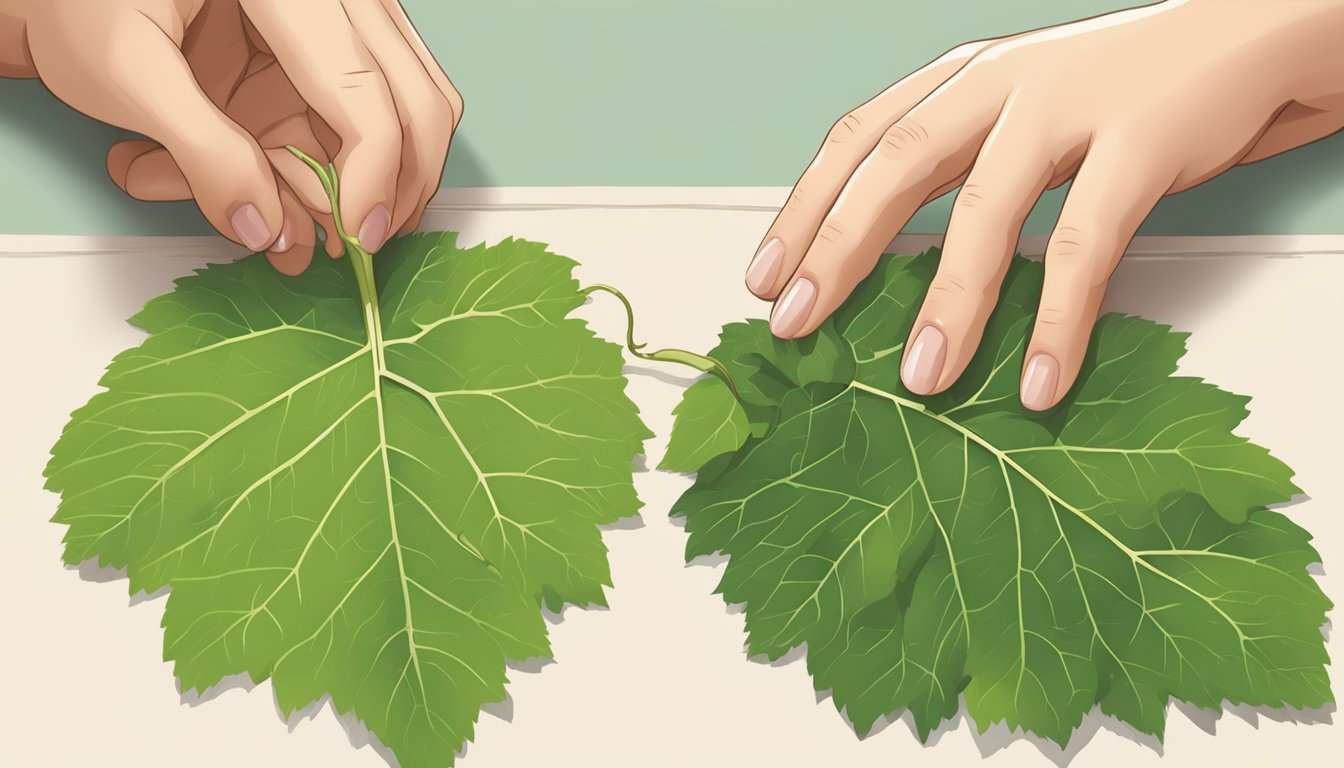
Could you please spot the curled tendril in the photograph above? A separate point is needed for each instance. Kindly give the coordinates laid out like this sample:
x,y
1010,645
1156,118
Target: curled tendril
x,y
703,363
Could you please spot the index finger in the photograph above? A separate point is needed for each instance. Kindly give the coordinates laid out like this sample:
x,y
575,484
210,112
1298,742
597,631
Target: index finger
x,y
850,140
328,63
156,93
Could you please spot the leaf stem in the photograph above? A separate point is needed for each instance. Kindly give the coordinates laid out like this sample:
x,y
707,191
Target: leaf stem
x,y
703,363
360,259
362,262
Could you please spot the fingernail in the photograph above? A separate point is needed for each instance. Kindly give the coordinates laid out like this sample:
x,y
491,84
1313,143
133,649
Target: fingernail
x,y
792,310
373,231
250,227
1040,381
764,269
924,364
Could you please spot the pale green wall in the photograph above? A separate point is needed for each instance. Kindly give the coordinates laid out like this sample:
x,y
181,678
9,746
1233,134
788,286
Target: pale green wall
x,y
680,92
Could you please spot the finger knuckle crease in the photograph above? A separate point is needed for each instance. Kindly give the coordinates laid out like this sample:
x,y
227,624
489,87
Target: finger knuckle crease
x,y
903,137
1052,317
357,79
1070,241
845,129
832,232
970,196
955,285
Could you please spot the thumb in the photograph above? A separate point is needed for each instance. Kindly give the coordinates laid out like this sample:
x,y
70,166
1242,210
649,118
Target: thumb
x,y
120,66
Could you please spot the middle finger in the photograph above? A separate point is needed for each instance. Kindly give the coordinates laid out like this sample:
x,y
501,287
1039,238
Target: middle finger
x,y
427,117
332,69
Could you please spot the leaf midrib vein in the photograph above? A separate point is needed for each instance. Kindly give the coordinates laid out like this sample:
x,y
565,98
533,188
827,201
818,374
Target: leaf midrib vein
x,y
916,407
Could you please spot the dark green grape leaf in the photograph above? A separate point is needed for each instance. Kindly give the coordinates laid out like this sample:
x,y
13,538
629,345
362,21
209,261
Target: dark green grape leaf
x,y
378,515
1115,551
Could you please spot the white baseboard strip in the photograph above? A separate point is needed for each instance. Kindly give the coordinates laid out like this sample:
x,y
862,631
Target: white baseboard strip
x,y
450,203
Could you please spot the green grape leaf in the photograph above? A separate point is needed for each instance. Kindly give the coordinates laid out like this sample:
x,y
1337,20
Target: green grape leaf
x,y
1115,551
710,423
366,501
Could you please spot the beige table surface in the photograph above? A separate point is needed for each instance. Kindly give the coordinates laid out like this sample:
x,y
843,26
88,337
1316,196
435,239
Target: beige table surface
x,y
660,679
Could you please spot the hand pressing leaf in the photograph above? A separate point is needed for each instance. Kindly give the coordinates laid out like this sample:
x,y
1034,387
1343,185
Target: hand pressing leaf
x,y
367,498
1114,551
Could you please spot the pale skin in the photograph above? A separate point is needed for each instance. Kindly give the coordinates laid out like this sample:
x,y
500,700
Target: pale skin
x,y
220,87
1131,107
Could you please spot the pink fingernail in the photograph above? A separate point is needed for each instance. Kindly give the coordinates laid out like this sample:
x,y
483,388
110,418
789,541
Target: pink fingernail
x,y
249,226
793,309
924,364
373,232
1040,381
764,269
